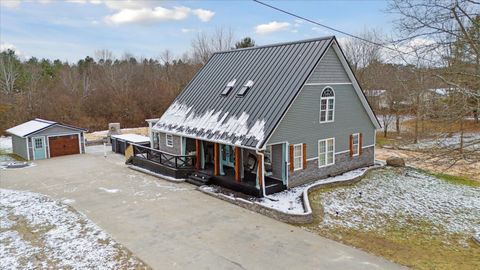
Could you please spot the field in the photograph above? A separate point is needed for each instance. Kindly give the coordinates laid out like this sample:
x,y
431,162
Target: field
x,y
405,215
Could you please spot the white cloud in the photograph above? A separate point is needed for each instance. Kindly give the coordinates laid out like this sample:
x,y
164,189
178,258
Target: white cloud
x,y
203,14
8,46
10,3
157,14
271,27
187,30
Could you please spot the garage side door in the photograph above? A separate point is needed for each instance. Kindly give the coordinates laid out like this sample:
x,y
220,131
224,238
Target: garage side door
x,y
63,145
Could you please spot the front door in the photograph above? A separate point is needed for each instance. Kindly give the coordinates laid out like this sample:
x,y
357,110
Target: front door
x,y
39,151
228,156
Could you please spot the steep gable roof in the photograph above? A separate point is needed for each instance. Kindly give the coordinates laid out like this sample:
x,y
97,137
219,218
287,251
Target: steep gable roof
x,y
278,72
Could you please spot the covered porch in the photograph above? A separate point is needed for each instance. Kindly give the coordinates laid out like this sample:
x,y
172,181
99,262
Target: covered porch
x,y
240,169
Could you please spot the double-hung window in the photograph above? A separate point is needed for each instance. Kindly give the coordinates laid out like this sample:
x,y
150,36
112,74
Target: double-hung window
x,y
326,152
169,140
355,144
297,156
327,105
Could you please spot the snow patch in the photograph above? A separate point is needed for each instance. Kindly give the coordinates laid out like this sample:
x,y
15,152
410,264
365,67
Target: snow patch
x,y
391,196
6,144
114,190
64,237
290,201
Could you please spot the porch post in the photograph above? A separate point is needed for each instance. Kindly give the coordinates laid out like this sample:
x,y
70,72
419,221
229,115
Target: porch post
x,y
220,159
284,163
242,170
197,154
237,164
202,155
216,169
259,171
184,145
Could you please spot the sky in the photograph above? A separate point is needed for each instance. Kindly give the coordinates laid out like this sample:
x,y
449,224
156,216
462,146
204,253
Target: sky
x,y
70,30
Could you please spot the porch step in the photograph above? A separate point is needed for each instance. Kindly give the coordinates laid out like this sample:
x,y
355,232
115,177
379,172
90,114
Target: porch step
x,y
198,179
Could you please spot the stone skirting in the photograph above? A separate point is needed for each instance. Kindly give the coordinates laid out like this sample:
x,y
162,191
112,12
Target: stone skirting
x,y
292,218
343,163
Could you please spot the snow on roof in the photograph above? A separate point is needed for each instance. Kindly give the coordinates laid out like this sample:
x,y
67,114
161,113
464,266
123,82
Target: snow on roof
x,y
135,138
29,127
212,125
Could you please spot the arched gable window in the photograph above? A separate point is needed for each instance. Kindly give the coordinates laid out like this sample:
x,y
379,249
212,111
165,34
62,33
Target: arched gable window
x,y
327,105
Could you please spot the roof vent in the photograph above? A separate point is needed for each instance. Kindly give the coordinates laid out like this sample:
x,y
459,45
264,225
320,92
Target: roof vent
x,y
243,91
229,87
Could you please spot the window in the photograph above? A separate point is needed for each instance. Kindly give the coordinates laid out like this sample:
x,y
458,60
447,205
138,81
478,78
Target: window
x,y
38,143
268,154
326,152
169,140
327,105
229,87
243,91
297,157
355,144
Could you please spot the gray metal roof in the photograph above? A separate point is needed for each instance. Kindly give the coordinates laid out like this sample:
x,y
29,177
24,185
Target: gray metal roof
x,y
278,72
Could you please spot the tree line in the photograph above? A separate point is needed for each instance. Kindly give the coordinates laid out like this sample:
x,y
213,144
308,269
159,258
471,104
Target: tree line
x,y
101,89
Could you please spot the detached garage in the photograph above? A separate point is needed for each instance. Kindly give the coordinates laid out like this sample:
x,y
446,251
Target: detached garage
x,y
40,139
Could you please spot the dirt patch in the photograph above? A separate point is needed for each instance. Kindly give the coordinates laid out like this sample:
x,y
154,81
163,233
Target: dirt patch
x,y
98,135
419,160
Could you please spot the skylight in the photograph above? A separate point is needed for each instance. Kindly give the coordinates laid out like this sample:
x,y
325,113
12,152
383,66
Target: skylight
x,y
243,91
229,87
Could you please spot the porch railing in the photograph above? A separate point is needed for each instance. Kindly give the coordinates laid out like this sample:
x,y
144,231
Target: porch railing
x,y
166,159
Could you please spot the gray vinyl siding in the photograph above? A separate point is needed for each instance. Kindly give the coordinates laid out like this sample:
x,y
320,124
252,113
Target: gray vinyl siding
x,y
58,131
19,146
277,161
177,144
329,70
301,123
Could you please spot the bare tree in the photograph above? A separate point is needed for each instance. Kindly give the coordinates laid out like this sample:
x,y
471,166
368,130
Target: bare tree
x,y
9,72
205,44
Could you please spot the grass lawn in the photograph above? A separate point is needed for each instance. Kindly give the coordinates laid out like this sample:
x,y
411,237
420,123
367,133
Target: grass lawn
x,y
407,216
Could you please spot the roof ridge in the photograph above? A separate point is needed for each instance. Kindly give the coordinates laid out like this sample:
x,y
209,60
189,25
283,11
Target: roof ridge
x,y
277,44
45,121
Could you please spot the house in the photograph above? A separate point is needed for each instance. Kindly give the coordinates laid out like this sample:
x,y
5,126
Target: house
x,y
377,98
41,139
263,119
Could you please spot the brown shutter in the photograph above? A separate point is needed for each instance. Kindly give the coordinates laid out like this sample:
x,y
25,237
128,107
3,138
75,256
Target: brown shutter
x,y
304,155
291,158
351,145
360,144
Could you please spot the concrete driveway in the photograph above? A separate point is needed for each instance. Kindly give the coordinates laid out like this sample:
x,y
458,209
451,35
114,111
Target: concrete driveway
x,y
173,226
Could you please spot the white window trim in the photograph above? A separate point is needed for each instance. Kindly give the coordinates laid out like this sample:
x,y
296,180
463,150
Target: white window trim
x,y
166,140
326,111
326,152
358,144
301,156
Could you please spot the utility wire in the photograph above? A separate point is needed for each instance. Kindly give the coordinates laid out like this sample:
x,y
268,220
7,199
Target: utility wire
x,y
383,45
319,24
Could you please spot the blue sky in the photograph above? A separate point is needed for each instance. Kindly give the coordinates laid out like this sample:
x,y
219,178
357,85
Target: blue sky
x,y
71,30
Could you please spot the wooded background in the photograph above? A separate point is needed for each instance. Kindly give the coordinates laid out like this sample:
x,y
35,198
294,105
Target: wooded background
x,y
106,88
